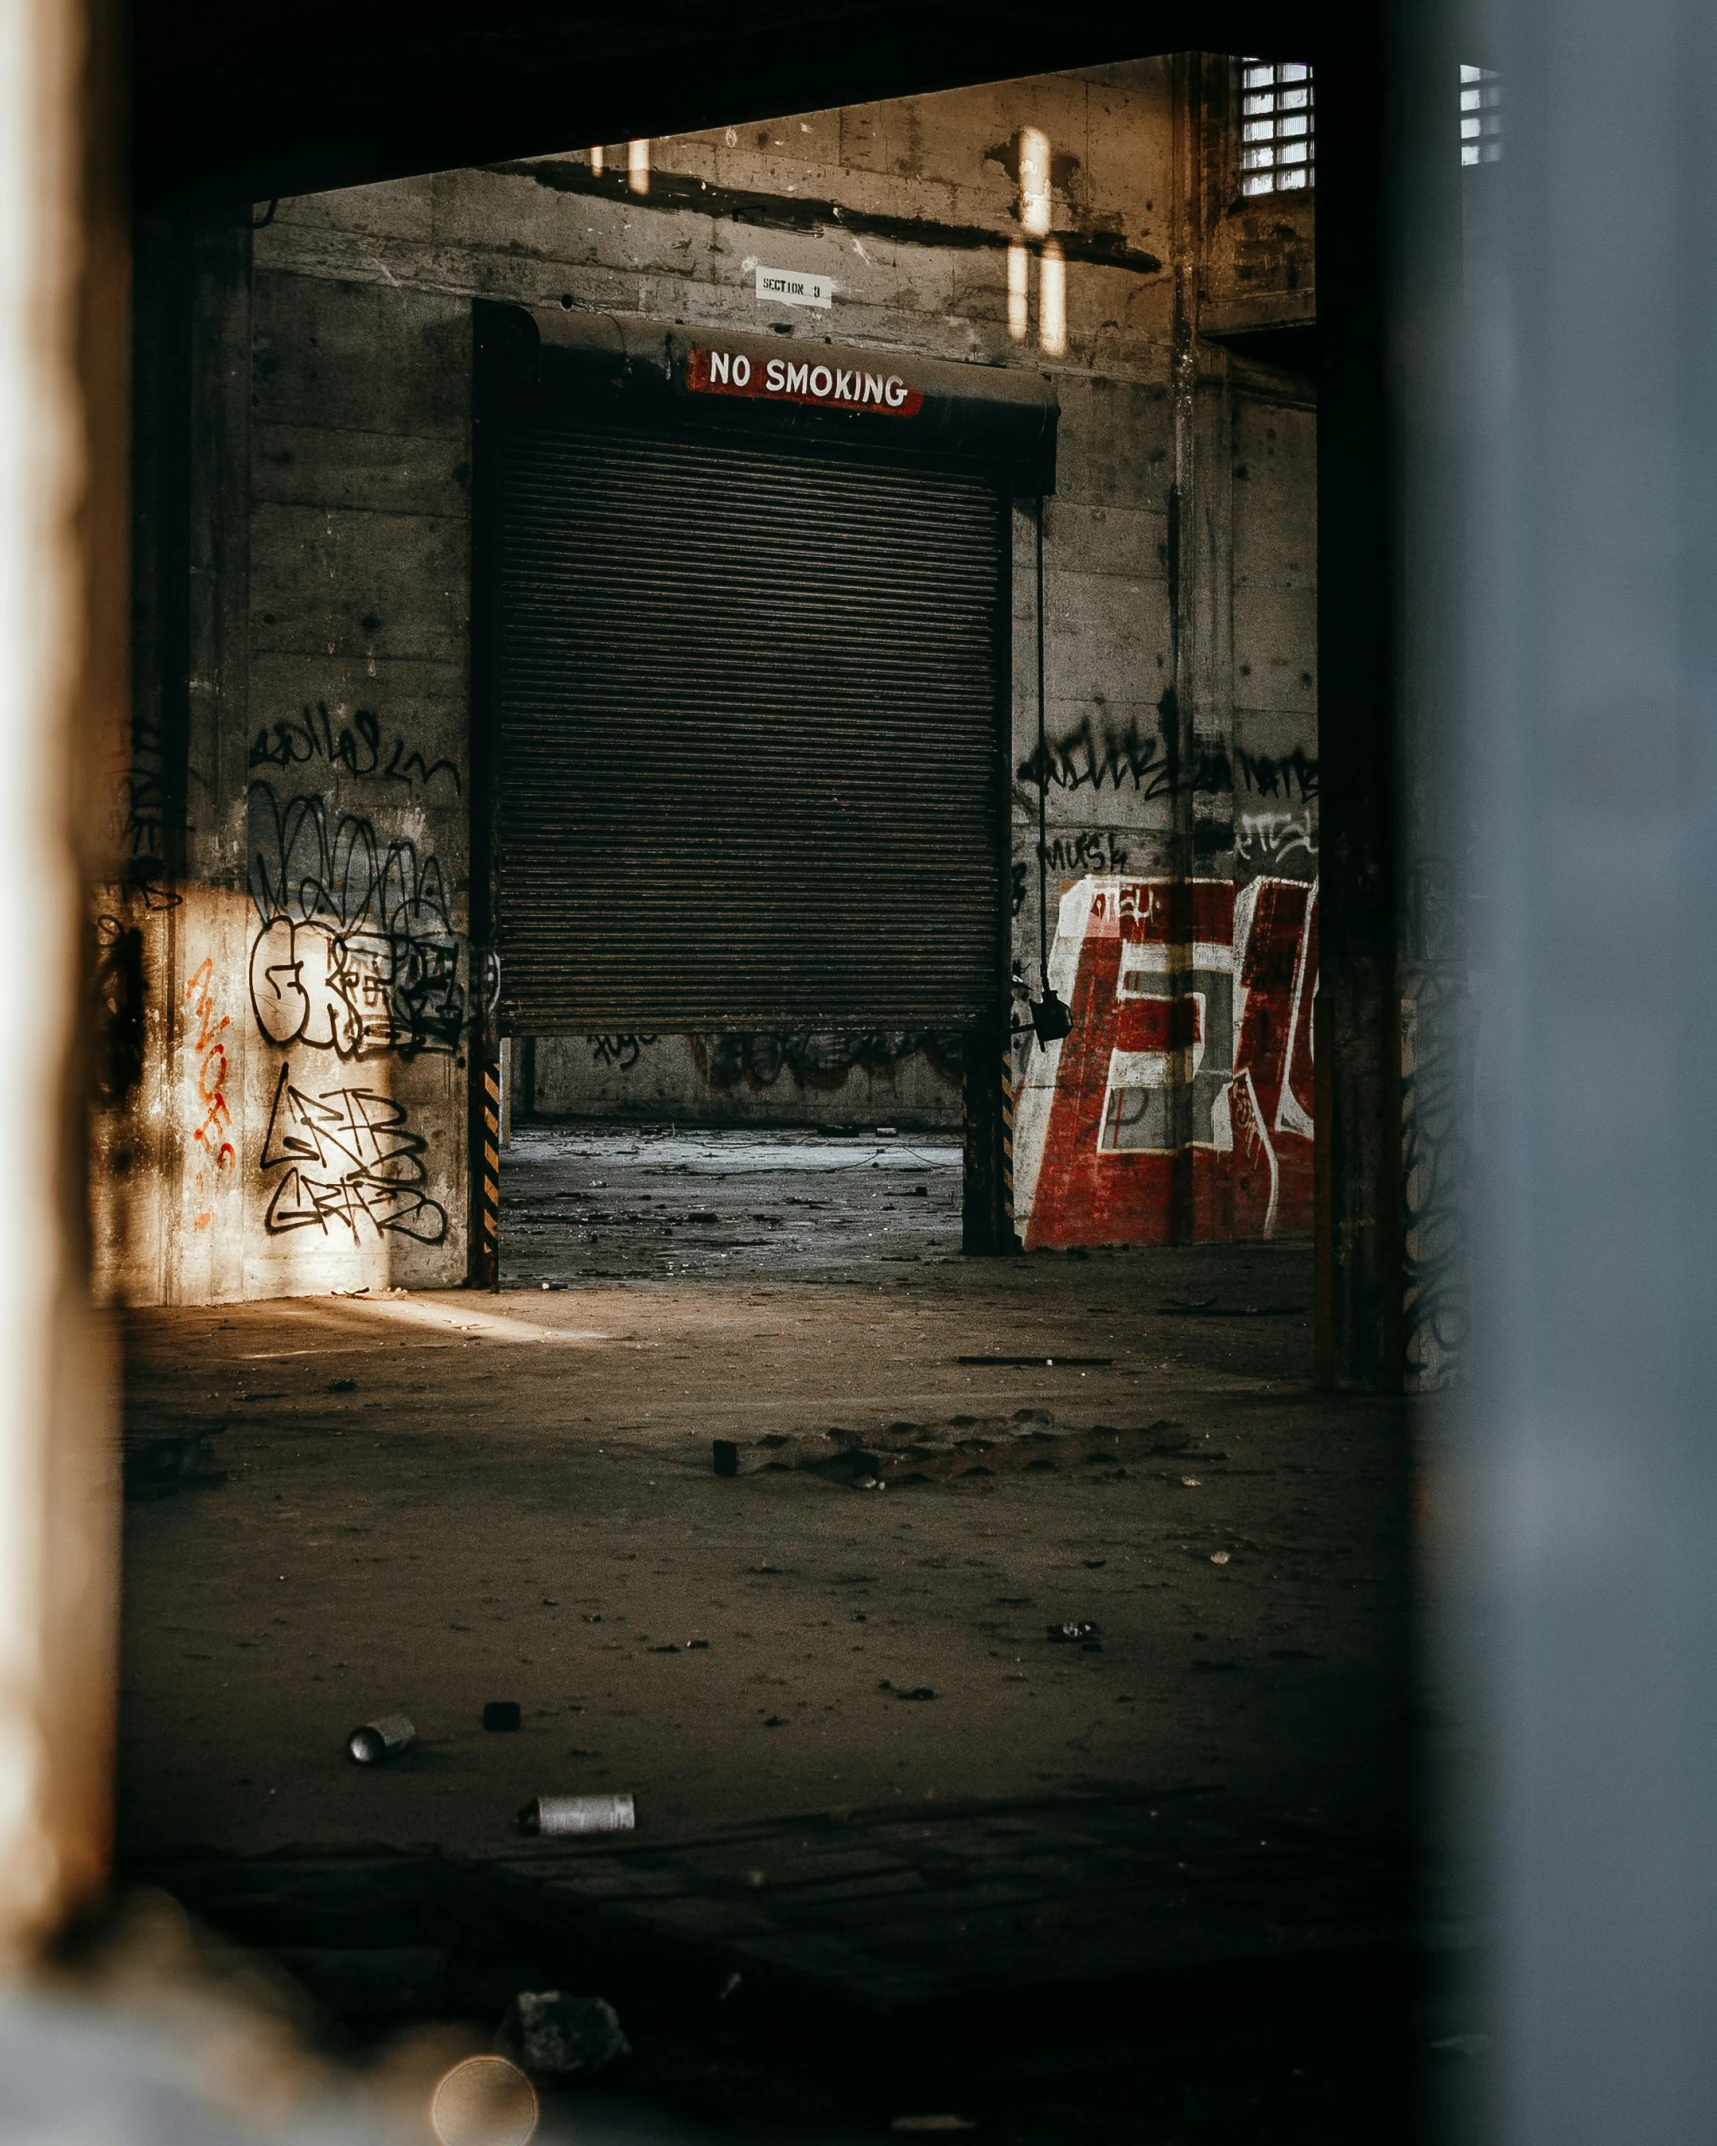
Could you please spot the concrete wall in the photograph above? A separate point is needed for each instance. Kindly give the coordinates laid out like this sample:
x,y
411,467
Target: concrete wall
x,y
849,1078
300,1122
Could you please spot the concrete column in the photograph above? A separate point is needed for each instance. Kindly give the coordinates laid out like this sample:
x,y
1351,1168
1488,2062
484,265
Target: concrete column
x,y
1587,1482
1359,1300
64,573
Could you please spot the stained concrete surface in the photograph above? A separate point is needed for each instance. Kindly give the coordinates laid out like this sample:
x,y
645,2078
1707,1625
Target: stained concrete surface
x,y
433,1501
592,1203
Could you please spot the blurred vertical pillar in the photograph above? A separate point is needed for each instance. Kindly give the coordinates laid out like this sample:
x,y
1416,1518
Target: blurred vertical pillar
x,y
1357,1036
1588,1477
64,334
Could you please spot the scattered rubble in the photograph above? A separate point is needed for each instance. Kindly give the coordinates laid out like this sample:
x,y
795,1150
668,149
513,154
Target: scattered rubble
x,y
1077,1633
553,2035
157,1467
941,1452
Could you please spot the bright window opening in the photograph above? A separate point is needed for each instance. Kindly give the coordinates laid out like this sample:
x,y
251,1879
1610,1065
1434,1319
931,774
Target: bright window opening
x,y
1481,115
1277,137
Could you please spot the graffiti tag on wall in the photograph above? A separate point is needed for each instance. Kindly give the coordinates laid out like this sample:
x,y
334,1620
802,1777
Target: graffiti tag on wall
x,y
1180,1105
357,747
622,1052
209,1053
347,1157
357,953
819,1060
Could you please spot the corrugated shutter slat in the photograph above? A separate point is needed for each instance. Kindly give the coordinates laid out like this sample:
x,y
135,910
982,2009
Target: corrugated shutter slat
x,y
751,768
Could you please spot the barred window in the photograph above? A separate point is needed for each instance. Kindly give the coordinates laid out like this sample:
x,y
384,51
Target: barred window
x,y
1481,115
1278,148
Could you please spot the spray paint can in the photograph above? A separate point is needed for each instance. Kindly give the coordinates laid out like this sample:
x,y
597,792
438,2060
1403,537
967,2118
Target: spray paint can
x,y
378,1740
578,1814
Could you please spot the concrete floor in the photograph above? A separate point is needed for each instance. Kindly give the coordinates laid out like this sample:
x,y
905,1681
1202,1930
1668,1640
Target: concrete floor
x,y
590,1204
434,1501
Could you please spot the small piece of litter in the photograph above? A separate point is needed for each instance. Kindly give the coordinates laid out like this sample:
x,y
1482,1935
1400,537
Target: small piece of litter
x,y
578,1814
1219,1557
1190,1482
383,1739
919,1691
501,1716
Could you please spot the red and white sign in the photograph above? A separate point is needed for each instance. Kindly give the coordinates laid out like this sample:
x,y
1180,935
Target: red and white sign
x,y
813,381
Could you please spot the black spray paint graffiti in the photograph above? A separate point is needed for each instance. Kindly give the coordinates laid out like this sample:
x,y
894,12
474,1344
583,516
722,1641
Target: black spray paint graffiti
x,y
1085,759
1081,759
820,1060
622,1052
118,1033
357,953
1096,850
355,746
1296,775
347,1156
150,810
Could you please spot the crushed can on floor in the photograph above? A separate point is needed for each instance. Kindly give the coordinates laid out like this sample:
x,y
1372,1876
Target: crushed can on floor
x,y
375,1741
578,1814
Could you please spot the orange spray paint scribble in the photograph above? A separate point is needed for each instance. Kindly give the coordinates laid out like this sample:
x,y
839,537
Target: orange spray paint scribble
x,y
211,1078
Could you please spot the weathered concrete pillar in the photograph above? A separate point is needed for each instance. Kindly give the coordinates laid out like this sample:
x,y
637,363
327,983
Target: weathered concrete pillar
x,y
64,274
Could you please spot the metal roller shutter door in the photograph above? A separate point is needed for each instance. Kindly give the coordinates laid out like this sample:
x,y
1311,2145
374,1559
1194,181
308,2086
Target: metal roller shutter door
x,y
751,759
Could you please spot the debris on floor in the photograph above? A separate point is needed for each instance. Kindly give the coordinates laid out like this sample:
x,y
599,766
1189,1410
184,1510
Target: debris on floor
x,y
578,1814
1076,1633
157,1467
941,1452
554,2035
375,1741
501,1717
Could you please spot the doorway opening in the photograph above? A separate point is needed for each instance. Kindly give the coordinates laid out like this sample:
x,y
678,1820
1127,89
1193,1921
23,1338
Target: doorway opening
x,y
972,1634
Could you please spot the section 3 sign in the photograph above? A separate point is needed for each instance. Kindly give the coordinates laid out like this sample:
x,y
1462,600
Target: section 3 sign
x,y
791,287
804,380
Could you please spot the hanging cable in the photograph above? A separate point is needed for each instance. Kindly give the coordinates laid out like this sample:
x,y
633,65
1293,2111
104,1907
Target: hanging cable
x,y
1049,1017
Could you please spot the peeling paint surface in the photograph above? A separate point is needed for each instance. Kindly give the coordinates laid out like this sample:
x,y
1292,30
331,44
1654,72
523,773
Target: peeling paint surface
x,y
1179,1109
